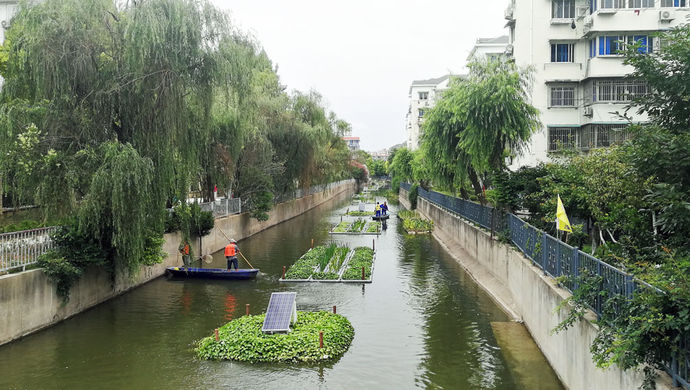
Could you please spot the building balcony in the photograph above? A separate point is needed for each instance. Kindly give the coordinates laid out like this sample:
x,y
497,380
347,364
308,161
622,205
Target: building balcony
x,y
563,71
607,66
627,19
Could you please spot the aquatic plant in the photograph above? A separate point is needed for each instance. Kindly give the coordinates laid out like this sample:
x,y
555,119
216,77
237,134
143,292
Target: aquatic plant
x,y
373,227
242,340
342,227
357,213
413,223
363,257
357,226
304,266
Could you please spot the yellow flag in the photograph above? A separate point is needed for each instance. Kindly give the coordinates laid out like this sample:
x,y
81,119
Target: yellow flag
x,y
562,217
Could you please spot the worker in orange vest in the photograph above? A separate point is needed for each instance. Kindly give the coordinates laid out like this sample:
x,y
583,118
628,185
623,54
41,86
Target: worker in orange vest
x,y
184,250
231,251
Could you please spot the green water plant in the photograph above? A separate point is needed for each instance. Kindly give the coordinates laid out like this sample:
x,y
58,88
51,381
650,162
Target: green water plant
x,y
363,257
373,227
342,227
357,213
413,223
242,340
357,226
304,266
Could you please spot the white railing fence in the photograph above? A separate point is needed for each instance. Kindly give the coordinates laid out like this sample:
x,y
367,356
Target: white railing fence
x,y
19,249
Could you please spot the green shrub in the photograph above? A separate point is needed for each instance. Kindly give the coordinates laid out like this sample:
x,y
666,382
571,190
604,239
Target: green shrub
x,y
242,340
412,196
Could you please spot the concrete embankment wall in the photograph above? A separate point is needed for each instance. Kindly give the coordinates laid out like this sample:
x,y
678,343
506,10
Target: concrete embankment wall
x,y
29,302
529,296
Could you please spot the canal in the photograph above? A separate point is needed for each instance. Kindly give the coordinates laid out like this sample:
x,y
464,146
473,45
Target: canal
x,y
422,323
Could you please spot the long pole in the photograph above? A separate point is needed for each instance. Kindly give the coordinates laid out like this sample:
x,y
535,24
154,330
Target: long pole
x,y
245,259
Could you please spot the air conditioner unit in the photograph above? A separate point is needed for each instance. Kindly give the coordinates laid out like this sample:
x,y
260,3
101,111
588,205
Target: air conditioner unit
x,y
666,15
582,11
588,111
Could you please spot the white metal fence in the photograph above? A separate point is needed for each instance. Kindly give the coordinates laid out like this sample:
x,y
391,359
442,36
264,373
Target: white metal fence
x,y
19,249
223,207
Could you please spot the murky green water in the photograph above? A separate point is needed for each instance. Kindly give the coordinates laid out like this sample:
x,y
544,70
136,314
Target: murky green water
x,y
422,323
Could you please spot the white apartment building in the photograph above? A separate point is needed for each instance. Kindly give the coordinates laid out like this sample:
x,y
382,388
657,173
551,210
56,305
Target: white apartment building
x,y
578,72
489,48
423,94
8,8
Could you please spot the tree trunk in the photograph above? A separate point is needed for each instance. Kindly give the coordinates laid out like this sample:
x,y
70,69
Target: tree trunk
x,y
474,179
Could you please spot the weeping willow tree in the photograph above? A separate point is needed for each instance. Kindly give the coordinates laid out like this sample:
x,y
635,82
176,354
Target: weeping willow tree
x,y
478,121
113,110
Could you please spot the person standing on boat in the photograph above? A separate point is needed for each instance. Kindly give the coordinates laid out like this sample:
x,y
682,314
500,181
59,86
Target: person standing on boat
x,y
231,251
185,251
377,210
384,209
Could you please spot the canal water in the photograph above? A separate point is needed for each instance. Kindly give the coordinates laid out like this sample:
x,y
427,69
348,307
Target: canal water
x,y
422,323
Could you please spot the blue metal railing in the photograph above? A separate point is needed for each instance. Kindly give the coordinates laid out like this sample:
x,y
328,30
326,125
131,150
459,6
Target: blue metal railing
x,y
556,258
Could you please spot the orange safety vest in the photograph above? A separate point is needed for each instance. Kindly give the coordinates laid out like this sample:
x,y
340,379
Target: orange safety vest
x,y
231,250
185,249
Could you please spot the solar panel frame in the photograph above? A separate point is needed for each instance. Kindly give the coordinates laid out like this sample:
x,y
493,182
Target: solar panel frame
x,y
282,309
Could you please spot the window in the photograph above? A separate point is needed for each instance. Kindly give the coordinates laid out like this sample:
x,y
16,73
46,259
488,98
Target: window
x,y
615,44
613,3
592,6
592,48
641,4
618,90
562,52
608,45
602,135
421,113
562,96
562,138
673,3
563,9
423,95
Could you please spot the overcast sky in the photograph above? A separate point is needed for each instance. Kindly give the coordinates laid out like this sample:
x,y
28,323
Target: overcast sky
x,y
363,55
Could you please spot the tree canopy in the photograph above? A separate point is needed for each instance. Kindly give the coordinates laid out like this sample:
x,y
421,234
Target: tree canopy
x,y
116,110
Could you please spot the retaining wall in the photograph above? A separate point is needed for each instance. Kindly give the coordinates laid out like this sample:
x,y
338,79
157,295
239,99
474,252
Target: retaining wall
x,y
29,302
529,296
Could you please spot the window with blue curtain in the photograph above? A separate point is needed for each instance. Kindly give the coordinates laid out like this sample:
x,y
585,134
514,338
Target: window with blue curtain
x,y
673,3
562,52
592,48
645,43
609,45
592,6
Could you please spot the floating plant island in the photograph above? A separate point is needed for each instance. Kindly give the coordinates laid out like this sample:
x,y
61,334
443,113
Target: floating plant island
x,y
242,340
332,263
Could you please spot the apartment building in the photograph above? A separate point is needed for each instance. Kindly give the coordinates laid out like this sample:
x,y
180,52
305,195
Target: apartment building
x,y
489,48
423,94
574,47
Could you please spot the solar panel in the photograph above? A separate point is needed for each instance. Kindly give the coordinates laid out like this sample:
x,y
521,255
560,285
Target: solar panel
x,y
281,309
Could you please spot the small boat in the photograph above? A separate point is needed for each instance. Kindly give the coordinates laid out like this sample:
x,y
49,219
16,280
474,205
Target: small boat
x,y
212,273
380,218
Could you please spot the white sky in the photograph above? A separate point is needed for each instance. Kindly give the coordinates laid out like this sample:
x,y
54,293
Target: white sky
x,y
363,55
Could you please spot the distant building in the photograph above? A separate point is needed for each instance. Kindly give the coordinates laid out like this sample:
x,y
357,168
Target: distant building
x,y
352,143
490,48
423,95
381,154
579,79
8,8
